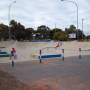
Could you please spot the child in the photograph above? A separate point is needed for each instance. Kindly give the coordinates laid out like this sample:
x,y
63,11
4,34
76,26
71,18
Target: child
x,y
13,53
58,44
13,56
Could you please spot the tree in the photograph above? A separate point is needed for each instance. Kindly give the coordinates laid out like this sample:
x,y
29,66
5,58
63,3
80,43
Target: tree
x,y
4,32
88,37
53,31
29,33
71,29
20,32
80,34
13,29
17,30
43,32
61,35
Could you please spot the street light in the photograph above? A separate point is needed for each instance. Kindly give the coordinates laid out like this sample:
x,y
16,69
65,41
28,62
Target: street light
x,y
9,11
77,12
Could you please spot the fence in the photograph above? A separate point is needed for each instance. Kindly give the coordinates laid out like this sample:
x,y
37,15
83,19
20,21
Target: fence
x,y
51,52
63,53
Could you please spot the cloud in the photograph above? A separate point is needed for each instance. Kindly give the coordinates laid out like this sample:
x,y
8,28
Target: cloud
x,y
49,12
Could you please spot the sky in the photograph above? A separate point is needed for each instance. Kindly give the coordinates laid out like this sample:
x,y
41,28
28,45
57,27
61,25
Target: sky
x,y
52,13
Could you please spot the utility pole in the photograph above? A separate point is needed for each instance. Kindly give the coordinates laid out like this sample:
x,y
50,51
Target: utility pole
x,y
75,3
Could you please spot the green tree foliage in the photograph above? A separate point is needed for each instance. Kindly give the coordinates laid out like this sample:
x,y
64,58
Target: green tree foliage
x,y
80,35
88,37
17,30
3,32
71,29
13,29
60,35
43,32
53,31
29,33
20,33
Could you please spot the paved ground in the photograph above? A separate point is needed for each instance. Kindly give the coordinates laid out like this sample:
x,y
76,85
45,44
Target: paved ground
x,y
71,74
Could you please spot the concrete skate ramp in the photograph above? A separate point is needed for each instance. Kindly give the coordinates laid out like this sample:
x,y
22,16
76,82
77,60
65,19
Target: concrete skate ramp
x,y
27,51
